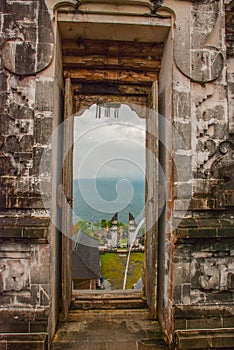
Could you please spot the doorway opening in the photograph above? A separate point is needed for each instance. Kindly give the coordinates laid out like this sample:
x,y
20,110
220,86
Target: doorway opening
x,y
142,97
108,198
113,72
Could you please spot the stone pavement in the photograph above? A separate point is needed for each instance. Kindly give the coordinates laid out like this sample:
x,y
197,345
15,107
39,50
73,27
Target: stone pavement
x,y
110,325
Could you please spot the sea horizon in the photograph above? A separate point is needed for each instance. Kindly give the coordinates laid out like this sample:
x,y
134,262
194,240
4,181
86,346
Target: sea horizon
x,y
106,189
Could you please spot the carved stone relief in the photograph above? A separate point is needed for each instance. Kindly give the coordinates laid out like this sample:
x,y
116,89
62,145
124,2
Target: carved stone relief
x,y
14,274
14,270
209,276
223,169
127,6
213,273
27,37
194,55
24,268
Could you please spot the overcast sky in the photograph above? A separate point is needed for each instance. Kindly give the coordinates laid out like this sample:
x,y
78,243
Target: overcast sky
x,y
109,147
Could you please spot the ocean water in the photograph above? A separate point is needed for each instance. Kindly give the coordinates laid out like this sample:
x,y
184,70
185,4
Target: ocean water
x,y
101,198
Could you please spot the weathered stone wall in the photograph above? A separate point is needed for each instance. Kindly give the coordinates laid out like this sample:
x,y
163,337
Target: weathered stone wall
x,y
165,300
196,92
26,114
199,267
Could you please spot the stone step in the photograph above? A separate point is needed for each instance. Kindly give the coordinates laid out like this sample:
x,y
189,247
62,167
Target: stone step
x,y
98,294
108,300
206,338
116,329
79,315
108,304
123,345
23,341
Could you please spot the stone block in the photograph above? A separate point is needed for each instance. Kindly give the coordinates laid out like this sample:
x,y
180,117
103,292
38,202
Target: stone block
x,y
206,339
217,112
182,273
11,232
38,327
44,254
228,322
21,111
225,232
3,81
180,323
3,101
23,298
11,327
230,279
219,297
2,199
14,272
183,137
25,56
44,296
26,143
202,233
34,233
183,190
186,291
40,274
23,341
27,202
182,167
43,129
204,323
44,95
181,103
177,294
35,294
41,161
45,34
24,13
182,233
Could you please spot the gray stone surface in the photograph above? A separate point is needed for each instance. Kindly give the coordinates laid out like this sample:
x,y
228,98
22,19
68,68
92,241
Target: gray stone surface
x,y
109,329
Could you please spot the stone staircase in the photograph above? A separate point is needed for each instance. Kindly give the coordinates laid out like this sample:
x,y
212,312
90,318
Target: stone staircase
x,y
109,321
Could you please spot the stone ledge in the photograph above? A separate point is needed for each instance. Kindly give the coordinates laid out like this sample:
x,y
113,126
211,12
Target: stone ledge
x,y
32,233
27,218
23,341
207,228
191,311
203,317
204,339
24,225
23,314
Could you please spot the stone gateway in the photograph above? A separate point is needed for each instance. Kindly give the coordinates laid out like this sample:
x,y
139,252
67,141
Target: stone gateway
x,y
172,62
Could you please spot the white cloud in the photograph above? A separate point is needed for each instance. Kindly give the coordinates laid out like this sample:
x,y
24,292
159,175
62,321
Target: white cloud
x,y
109,147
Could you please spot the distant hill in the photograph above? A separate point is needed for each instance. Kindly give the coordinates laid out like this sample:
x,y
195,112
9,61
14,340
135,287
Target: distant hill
x,y
107,190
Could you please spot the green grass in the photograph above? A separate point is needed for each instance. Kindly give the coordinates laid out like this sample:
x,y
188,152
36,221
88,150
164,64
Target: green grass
x,y
113,267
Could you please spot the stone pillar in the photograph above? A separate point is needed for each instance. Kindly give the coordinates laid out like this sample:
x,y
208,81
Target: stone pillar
x,y
199,249
131,229
114,231
26,112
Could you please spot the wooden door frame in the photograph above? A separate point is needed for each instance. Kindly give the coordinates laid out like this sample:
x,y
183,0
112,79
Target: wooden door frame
x,y
150,287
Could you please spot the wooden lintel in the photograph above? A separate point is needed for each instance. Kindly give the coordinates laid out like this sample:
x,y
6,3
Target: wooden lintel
x,y
136,63
112,48
137,103
107,88
128,76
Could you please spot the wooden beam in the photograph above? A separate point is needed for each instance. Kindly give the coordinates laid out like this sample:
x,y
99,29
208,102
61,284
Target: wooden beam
x,y
137,103
129,76
136,63
112,48
107,88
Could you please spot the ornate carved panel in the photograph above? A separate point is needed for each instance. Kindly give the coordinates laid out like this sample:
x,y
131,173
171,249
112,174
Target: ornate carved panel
x,y
27,37
195,56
